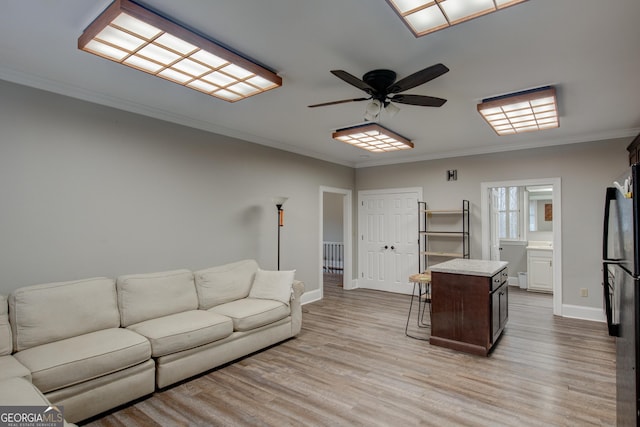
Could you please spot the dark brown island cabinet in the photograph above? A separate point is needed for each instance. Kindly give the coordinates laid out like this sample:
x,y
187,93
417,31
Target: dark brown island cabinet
x,y
470,304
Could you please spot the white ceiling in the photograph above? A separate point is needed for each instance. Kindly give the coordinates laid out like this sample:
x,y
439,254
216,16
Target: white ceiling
x,y
588,49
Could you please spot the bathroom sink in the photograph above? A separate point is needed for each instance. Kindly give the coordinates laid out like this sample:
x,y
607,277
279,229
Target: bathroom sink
x,y
540,245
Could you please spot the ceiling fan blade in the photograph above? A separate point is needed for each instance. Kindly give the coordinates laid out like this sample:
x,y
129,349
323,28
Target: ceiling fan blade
x,y
424,101
337,102
418,78
353,80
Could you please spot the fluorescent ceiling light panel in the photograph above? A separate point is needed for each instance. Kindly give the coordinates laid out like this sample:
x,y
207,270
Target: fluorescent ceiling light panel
x,y
132,35
526,111
372,137
426,16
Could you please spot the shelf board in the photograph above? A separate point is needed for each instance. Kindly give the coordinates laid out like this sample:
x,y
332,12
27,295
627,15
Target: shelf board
x,y
443,254
443,233
442,212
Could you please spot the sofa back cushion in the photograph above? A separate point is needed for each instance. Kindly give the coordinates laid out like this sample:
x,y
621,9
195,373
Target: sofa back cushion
x,y
225,283
149,296
6,343
41,314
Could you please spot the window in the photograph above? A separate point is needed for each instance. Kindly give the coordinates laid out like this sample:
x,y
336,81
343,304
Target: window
x,y
533,215
508,203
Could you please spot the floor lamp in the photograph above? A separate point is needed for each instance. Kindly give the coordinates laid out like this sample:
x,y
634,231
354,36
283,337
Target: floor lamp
x,y
279,201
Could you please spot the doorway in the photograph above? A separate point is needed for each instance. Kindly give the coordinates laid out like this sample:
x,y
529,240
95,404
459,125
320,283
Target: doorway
x,y
387,238
335,237
490,221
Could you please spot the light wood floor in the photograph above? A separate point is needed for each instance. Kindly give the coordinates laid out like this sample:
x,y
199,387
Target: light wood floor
x,y
353,365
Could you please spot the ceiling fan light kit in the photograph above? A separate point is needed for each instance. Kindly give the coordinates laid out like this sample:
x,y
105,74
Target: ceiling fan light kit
x,y
372,112
134,36
423,17
372,137
525,111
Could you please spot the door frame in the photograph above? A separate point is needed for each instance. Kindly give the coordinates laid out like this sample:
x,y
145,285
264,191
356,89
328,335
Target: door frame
x,y
557,227
382,191
347,226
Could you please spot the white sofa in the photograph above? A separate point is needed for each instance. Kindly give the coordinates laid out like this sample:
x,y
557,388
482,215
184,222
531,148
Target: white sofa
x,y
92,345
16,388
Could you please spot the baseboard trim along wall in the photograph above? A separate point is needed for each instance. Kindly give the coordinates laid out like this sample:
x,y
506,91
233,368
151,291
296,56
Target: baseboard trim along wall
x,y
568,310
311,296
584,313
316,294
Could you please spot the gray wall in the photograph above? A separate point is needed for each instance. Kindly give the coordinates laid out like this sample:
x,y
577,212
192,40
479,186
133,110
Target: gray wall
x,y
333,217
90,191
585,169
516,255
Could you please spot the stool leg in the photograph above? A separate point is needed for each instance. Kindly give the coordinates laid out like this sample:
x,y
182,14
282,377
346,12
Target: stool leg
x,y
421,310
427,292
406,328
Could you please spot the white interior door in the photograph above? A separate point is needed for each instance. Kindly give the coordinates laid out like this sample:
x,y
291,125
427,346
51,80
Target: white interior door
x,y
388,229
495,221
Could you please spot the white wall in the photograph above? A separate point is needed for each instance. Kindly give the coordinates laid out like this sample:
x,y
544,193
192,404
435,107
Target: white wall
x,y
332,217
515,254
585,169
87,190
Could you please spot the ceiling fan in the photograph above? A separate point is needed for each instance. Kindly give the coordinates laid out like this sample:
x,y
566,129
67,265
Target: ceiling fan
x,y
382,88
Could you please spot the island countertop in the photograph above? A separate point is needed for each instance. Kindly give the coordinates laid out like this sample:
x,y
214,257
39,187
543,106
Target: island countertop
x,y
472,267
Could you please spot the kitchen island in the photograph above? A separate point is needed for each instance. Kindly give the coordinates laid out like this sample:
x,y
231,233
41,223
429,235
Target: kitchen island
x,y
469,303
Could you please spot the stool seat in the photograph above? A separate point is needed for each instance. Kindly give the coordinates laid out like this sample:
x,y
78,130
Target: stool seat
x,y
420,277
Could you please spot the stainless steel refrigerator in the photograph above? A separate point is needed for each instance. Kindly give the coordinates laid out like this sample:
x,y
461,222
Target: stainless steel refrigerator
x,y
621,269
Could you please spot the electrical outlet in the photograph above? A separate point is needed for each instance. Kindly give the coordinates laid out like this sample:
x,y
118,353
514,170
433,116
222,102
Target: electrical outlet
x,y
584,292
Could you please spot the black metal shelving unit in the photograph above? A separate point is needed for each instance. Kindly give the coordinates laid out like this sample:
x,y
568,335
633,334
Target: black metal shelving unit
x,y
431,236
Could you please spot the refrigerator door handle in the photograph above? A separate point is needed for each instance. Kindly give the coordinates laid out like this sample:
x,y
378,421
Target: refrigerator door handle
x,y
610,198
608,290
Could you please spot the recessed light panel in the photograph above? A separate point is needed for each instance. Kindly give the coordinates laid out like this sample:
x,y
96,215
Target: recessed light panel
x,y
527,111
372,137
132,35
427,16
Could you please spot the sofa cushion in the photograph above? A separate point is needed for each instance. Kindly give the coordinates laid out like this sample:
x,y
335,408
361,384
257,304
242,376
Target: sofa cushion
x,y
74,360
251,313
6,342
148,296
20,392
182,331
274,285
10,368
41,314
224,283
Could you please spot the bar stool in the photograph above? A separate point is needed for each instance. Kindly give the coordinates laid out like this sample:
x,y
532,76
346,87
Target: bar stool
x,y
421,284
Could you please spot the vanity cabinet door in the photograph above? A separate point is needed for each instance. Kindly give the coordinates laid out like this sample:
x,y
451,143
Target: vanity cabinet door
x,y
540,268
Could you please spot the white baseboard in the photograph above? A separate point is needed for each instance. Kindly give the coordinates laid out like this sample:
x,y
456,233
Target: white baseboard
x,y
353,284
584,313
568,310
311,296
316,295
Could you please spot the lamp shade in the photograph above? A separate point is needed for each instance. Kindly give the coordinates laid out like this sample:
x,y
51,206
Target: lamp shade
x,y
279,201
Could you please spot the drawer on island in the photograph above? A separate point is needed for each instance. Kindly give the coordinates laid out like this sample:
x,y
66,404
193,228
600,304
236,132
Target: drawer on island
x,y
499,278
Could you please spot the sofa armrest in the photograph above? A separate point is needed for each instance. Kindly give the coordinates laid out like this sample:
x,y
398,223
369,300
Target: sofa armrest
x,y
296,307
298,289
